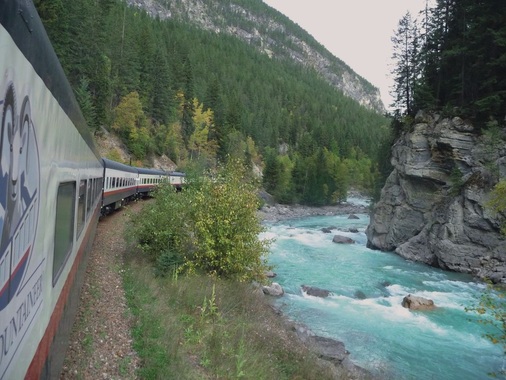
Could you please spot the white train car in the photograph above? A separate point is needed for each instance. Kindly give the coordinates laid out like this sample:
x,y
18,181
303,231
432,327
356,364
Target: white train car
x,y
149,179
50,198
176,179
120,185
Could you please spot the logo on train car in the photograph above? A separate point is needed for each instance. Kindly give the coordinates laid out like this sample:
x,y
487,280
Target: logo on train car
x,y
19,194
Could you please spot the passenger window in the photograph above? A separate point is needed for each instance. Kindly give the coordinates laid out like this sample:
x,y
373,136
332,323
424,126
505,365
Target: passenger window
x,y
64,226
81,204
89,196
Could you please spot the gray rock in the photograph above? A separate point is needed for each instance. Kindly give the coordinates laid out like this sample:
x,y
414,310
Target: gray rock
x,y
270,274
314,291
339,239
360,295
417,303
353,216
333,351
274,290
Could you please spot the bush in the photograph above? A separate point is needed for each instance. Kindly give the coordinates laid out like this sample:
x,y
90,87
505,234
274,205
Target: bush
x,y
210,227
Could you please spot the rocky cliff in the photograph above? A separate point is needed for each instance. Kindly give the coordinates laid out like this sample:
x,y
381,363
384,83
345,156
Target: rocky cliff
x,y
433,205
270,32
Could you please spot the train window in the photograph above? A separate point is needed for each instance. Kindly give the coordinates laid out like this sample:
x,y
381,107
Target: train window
x,y
64,226
81,204
89,196
98,188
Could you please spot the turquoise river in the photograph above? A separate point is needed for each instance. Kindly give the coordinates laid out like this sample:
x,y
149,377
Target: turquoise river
x,y
382,336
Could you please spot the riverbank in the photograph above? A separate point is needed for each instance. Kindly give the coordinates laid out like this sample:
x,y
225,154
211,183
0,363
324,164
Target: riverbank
x,y
278,212
184,327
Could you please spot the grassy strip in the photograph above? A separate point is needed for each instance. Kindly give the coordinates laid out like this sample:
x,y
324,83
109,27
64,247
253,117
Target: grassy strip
x,y
202,328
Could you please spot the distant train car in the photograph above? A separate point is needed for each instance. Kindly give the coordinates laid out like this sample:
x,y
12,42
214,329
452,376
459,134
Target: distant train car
x,y
120,184
50,198
177,180
149,179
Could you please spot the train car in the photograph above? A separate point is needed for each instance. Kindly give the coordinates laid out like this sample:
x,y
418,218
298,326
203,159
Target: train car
x,y
177,180
149,179
50,198
120,185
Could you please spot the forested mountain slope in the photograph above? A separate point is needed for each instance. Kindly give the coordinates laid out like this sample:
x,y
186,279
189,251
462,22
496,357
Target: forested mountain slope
x,y
271,33
200,97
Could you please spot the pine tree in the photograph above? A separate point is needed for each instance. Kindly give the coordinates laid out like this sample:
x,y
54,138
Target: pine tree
x,y
406,72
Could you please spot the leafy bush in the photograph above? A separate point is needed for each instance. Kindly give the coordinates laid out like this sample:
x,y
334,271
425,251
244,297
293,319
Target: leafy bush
x,y
211,227
497,201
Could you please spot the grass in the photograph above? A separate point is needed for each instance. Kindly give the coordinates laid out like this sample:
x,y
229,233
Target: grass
x,y
202,328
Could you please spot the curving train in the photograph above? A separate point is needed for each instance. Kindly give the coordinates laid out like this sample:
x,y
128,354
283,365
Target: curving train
x,y
53,188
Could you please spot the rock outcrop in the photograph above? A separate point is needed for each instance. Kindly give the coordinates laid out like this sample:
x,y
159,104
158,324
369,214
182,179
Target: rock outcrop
x,y
433,205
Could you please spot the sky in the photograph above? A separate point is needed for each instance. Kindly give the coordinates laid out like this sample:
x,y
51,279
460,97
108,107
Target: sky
x,y
356,31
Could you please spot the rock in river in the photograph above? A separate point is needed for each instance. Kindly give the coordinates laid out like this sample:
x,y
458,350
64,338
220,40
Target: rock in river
x,y
315,292
417,303
340,239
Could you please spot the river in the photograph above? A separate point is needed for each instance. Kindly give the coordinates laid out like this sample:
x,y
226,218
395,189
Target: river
x,y
364,310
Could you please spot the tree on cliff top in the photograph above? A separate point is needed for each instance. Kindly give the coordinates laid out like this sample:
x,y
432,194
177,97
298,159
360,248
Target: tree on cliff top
x,y
498,201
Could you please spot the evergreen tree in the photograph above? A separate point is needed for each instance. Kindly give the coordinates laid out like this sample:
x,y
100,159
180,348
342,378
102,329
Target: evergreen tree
x,y
406,72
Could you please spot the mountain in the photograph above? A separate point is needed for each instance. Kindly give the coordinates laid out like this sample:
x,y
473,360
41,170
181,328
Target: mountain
x,y
272,33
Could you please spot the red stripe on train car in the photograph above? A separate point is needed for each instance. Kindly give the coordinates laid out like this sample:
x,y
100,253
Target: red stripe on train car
x,y
42,353
146,186
123,190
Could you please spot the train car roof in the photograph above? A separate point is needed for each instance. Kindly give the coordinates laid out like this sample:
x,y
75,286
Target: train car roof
x,y
21,20
151,171
177,174
110,164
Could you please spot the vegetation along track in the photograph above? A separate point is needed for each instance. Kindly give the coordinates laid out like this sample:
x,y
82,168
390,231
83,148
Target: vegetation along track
x,y
101,344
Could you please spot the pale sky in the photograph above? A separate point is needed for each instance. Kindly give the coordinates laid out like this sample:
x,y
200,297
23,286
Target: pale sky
x,y
356,31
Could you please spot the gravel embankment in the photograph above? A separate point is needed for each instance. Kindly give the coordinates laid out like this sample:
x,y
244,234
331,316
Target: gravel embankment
x,y
101,344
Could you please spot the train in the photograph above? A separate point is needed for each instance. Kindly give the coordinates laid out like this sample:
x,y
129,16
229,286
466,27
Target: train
x,y
54,186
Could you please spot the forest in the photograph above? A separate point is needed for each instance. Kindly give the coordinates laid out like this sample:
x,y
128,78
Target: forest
x,y
452,59
166,87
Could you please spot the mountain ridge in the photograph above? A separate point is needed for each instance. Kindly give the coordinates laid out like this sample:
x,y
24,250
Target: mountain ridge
x,y
272,33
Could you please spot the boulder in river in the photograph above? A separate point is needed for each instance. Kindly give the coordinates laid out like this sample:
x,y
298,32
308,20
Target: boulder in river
x,y
315,292
270,274
360,295
353,216
273,290
333,351
417,303
340,239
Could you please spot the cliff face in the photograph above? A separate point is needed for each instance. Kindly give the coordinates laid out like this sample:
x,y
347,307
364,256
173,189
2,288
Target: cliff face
x,y
271,33
432,207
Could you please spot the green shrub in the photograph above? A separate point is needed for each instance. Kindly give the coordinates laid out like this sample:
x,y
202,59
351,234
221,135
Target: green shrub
x,y
210,227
